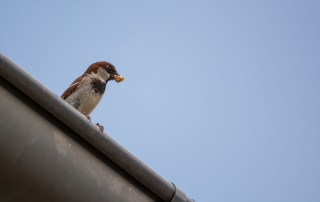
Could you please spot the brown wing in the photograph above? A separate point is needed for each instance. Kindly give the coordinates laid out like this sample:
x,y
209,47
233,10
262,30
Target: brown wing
x,y
72,88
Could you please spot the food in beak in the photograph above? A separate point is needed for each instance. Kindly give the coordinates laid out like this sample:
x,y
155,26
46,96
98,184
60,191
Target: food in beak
x,y
118,78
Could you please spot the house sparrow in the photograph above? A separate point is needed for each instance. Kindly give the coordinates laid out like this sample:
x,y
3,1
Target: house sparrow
x,y
85,92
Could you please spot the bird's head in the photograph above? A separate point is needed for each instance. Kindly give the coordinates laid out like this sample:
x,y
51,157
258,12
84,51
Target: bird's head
x,y
104,70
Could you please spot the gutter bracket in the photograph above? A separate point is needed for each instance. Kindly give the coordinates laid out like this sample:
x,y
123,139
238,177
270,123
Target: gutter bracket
x,y
179,195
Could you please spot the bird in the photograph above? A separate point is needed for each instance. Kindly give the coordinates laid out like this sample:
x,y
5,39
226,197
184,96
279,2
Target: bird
x,y
85,93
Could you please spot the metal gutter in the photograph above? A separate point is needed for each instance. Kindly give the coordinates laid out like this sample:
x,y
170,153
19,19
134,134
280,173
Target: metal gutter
x,y
87,130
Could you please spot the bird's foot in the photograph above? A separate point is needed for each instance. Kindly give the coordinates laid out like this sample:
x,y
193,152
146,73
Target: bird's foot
x,y
88,117
100,126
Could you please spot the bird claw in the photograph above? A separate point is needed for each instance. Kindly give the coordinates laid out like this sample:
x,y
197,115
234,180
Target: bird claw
x,y
100,126
88,117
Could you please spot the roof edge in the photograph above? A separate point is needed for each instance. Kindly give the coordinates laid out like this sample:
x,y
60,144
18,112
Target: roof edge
x,y
87,130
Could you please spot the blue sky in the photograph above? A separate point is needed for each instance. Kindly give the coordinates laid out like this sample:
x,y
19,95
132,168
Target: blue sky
x,y
220,97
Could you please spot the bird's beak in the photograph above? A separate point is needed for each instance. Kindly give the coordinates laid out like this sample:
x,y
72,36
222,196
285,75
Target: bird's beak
x,y
118,78
116,73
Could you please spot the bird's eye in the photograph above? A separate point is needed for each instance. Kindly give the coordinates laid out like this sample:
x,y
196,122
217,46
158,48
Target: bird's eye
x,y
109,70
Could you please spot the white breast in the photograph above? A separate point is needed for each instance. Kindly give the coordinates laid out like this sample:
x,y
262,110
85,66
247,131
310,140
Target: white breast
x,y
85,99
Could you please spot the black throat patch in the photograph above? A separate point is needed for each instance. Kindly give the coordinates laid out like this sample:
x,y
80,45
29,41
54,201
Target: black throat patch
x,y
98,86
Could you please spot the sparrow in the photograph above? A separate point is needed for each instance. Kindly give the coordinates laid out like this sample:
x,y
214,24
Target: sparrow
x,y
85,93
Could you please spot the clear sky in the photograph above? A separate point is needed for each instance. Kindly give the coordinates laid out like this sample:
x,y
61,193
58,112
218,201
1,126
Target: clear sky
x,y
220,97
